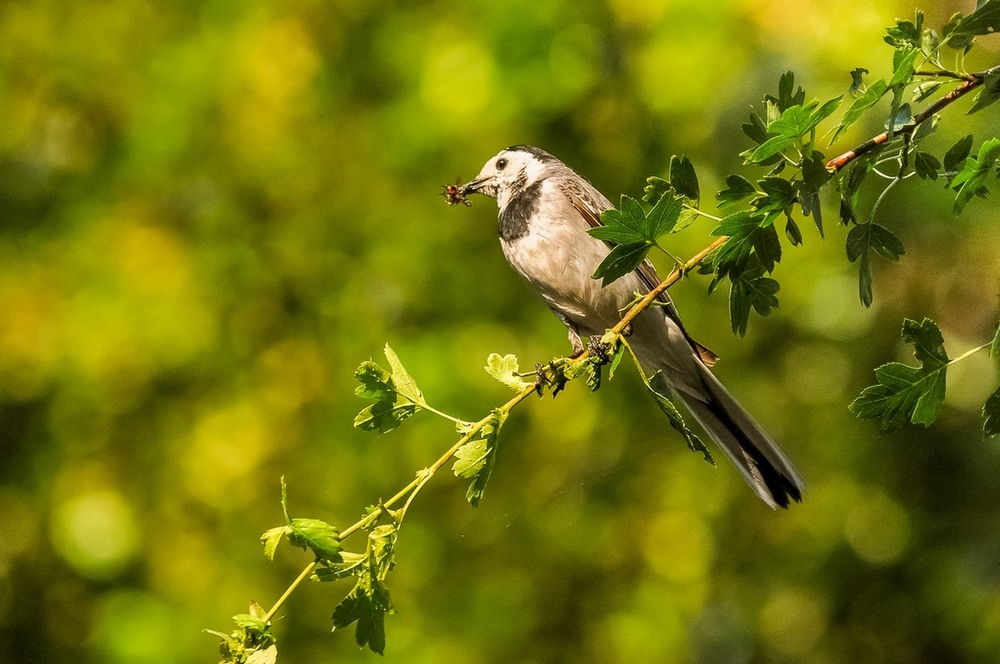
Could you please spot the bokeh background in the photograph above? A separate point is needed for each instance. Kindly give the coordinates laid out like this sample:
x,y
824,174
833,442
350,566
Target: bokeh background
x,y
211,212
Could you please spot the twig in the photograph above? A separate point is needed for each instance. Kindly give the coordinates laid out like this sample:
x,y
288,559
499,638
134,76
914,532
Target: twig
x,y
969,83
964,88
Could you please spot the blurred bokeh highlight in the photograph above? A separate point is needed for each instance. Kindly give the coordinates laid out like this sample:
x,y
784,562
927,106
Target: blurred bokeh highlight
x,y
211,212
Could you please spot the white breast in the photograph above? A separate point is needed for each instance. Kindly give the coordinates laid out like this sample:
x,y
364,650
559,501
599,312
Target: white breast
x,y
558,257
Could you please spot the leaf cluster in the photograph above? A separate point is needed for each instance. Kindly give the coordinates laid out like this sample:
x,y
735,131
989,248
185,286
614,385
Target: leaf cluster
x,y
368,602
785,134
251,642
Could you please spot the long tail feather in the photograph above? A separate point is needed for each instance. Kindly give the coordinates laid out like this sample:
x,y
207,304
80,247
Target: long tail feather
x,y
763,465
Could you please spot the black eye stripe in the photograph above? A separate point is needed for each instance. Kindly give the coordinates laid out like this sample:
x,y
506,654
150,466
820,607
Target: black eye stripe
x,y
501,164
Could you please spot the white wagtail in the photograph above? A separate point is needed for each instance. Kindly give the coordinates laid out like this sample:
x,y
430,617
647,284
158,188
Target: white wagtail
x,y
545,211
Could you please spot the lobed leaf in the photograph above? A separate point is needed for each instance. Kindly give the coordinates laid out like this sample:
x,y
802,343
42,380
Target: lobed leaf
x,y
926,165
906,33
927,342
396,394
861,241
318,536
506,370
402,382
684,179
620,261
815,176
905,393
970,181
902,66
750,290
270,540
476,458
663,217
989,94
737,188
857,81
957,154
871,96
365,605
985,20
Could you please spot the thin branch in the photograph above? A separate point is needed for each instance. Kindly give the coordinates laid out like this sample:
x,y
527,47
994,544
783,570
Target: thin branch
x,y
946,73
964,88
834,165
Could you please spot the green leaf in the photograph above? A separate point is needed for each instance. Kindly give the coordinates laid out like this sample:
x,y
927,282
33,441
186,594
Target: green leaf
x,y
995,344
958,153
750,290
926,165
780,196
270,540
885,243
985,20
268,655
318,536
794,123
904,393
396,395
755,128
402,382
250,622
732,256
369,601
970,181
767,247
893,399
857,81
989,94
815,176
365,605
902,66
927,342
865,280
620,261
925,90
624,225
786,98
620,353
663,217
684,179
348,565
906,33
737,188
861,240
505,369
668,408
991,415
872,95
475,459
655,189
793,233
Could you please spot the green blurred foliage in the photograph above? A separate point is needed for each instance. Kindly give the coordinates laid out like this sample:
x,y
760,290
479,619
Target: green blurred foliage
x,y
212,212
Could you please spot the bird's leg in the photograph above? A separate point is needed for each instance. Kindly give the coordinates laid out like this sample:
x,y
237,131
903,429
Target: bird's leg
x,y
574,334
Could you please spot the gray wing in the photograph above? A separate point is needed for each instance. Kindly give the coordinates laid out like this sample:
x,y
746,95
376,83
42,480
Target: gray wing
x,y
590,208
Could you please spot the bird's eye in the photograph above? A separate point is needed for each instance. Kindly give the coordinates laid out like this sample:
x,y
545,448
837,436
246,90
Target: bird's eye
x,y
501,164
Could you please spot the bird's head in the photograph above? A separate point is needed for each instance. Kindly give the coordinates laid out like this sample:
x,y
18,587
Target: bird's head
x,y
510,172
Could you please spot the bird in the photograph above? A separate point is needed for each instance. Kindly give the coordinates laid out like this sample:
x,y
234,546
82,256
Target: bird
x,y
545,210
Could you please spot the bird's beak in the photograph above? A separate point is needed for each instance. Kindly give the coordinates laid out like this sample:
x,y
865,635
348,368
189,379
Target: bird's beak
x,y
474,186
